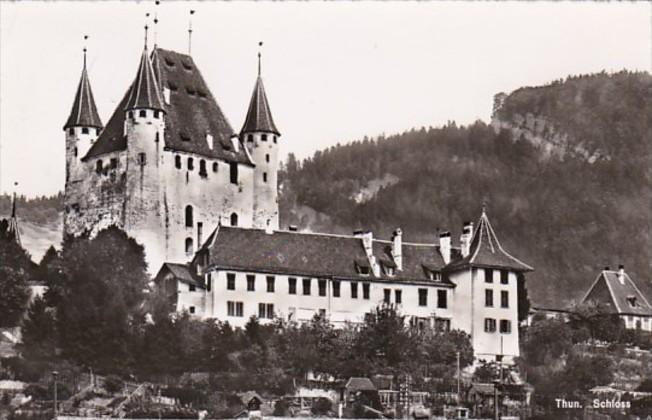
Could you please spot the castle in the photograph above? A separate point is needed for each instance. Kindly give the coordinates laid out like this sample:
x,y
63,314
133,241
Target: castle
x,y
169,170
167,166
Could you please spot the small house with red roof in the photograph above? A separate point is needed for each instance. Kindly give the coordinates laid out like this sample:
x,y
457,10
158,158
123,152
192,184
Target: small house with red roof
x,y
617,292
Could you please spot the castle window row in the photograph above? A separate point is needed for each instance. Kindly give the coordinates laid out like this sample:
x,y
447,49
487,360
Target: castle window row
x,y
490,326
489,298
143,114
263,137
203,171
489,276
112,164
321,290
84,130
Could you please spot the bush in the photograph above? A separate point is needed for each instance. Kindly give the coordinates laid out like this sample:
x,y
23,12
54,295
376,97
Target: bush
x,y
281,408
113,384
321,406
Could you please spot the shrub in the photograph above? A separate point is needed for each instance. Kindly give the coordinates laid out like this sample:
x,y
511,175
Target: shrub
x,y
281,408
321,406
113,384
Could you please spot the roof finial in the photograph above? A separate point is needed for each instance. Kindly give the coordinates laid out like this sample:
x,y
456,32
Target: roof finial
x,y
260,47
192,12
484,207
146,28
85,38
156,3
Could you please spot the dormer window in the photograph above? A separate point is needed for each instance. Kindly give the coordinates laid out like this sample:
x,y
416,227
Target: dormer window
x,y
631,300
362,267
434,275
390,271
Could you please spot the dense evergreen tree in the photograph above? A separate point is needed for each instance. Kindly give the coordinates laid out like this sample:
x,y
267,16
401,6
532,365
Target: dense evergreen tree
x,y
16,270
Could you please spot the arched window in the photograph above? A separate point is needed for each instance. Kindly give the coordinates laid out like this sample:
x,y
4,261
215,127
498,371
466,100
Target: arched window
x,y
189,222
177,162
142,113
264,176
234,219
267,157
98,166
202,168
250,138
191,164
214,166
189,246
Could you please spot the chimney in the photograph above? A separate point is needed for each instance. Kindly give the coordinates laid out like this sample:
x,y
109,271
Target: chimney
x,y
367,243
397,245
621,274
445,246
268,227
465,238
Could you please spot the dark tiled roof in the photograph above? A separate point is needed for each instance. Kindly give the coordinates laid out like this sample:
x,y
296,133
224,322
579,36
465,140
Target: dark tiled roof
x,y
191,114
181,272
486,251
259,117
83,112
625,296
144,91
359,384
313,254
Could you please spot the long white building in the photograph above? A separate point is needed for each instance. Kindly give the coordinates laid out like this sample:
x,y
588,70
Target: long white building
x,y
244,272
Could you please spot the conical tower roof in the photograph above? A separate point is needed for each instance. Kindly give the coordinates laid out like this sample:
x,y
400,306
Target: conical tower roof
x,y
259,117
144,91
83,112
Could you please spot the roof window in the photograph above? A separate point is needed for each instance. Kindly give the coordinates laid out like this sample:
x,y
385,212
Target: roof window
x,y
632,301
186,65
201,93
169,62
172,85
190,90
184,136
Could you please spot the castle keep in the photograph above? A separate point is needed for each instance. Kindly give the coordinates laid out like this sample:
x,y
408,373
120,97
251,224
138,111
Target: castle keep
x,y
168,166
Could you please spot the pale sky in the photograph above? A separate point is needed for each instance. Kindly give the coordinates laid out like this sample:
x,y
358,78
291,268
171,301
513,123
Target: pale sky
x,y
333,71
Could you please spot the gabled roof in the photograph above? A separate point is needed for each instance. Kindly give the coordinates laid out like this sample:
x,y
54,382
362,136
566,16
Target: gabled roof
x,y
486,251
315,254
144,91
180,272
190,115
359,384
259,117
83,112
622,296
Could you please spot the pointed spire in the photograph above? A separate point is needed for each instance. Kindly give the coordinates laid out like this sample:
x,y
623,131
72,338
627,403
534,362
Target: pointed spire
x,y
13,222
144,91
83,112
259,117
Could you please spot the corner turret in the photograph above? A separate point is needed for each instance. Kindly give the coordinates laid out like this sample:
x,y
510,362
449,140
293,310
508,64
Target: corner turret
x,y
260,136
82,127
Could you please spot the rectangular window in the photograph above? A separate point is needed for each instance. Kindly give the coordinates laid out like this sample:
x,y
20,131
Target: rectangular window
x,y
264,176
423,297
191,287
322,313
209,283
442,299
84,130
398,296
306,287
234,308
336,288
488,297
191,309
233,172
387,295
442,324
488,275
263,137
354,290
365,291
113,163
322,287
505,326
262,310
251,283
489,325
504,277
266,310
230,281
142,159
270,284
292,285
270,311
504,299
239,309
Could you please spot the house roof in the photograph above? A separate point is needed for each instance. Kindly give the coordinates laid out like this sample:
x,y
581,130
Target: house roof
x,y
360,384
621,293
180,272
314,254
144,91
486,251
83,112
259,117
190,116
